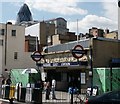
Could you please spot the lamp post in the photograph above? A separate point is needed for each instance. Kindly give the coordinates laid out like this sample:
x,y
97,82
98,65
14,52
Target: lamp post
x,y
91,61
91,66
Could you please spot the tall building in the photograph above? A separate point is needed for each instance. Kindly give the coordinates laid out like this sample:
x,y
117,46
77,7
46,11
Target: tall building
x,y
62,34
111,35
12,46
42,30
96,32
60,25
50,33
24,15
31,43
60,39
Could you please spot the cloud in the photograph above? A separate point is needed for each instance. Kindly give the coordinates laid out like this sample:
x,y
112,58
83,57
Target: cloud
x,y
10,1
92,21
111,10
60,0
108,20
70,8
57,6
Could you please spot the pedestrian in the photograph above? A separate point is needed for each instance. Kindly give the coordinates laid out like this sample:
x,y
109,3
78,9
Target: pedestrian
x,y
3,81
8,81
47,89
3,87
53,88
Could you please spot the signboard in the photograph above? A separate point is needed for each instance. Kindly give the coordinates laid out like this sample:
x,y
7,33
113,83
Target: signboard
x,y
36,56
84,63
78,51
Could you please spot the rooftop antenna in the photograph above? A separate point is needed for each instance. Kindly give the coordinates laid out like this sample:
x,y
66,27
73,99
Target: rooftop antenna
x,y
36,44
77,30
43,18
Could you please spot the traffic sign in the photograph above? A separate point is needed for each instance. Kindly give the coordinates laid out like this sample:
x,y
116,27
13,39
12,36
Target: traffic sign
x,y
36,56
78,51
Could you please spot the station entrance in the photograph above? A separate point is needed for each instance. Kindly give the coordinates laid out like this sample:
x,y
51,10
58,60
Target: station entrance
x,y
67,77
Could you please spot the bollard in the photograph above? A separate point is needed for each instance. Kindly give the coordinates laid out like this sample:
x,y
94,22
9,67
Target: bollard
x,y
18,93
37,96
6,92
72,95
28,97
22,94
12,92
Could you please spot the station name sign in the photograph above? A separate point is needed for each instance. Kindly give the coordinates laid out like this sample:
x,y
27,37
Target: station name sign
x,y
65,64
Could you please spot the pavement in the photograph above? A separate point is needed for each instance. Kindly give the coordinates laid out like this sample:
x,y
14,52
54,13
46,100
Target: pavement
x,y
61,98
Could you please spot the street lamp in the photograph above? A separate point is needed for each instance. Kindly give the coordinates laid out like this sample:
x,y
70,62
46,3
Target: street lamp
x,y
91,60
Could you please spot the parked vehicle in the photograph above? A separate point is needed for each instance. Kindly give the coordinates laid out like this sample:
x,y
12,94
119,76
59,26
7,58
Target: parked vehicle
x,y
112,97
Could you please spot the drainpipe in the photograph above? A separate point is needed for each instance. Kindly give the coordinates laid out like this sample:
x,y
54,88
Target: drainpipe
x,y
111,76
5,43
91,65
91,62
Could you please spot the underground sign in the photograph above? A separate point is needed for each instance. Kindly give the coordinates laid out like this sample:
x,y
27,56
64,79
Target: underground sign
x,y
78,51
36,56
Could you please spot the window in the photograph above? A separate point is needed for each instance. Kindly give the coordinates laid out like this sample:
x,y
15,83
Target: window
x,y
1,42
2,31
15,55
13,32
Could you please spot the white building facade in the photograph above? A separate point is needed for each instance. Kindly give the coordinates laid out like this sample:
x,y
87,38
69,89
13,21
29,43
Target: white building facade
x,y
12,52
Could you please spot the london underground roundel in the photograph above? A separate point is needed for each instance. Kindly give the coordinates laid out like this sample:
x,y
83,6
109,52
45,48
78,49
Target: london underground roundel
x,y
36,56
78,51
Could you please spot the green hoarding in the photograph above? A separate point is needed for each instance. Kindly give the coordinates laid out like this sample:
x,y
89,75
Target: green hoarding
x,y
17,76
106,81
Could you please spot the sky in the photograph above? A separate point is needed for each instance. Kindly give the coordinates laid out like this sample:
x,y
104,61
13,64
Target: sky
x,y
102,14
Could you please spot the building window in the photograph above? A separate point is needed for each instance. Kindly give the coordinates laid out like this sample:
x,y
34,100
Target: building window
x,y
2,31
13,32
1,42
15,55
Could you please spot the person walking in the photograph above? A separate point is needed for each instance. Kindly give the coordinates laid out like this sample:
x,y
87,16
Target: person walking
x,y
3,81
3,87
47,89
8,81
53,88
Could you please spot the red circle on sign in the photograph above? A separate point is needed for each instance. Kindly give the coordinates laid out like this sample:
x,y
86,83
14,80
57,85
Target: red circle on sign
x,y
36,56
76,55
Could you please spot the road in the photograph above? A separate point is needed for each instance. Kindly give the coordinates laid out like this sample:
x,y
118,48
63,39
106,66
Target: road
x,y
61,98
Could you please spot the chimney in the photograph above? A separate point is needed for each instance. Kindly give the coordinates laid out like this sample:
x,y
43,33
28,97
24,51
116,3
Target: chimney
x,y
106,31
